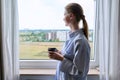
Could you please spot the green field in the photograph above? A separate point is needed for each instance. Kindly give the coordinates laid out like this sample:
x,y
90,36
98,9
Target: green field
x,y
38,50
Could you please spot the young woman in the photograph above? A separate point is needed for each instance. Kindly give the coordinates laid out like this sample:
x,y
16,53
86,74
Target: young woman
x,y
75,56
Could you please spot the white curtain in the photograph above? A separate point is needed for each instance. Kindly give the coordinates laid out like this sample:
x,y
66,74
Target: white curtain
x,y
10,38
107,21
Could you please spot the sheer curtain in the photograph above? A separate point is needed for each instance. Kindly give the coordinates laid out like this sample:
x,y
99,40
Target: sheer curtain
x,y
9,30
108,24
1,77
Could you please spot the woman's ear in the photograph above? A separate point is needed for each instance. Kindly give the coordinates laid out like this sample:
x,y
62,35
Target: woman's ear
x,y
72,16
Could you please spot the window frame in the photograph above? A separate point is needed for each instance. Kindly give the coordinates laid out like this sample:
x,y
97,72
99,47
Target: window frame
x,y
52,64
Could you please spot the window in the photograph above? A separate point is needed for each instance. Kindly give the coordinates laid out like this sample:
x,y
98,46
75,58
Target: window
x,y
41,26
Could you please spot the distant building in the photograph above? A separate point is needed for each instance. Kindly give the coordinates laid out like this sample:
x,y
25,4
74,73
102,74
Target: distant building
x,y
62,35
51,36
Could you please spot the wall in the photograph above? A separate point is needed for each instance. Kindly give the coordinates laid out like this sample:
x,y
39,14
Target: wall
x,y
51,78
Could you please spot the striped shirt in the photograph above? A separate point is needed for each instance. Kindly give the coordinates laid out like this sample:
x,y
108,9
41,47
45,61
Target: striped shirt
x,y
76,51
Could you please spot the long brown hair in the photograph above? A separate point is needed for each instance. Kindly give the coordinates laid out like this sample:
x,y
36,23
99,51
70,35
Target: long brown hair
x,y
77,10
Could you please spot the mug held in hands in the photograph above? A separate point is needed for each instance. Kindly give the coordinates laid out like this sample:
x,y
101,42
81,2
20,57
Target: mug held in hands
x,y
52,49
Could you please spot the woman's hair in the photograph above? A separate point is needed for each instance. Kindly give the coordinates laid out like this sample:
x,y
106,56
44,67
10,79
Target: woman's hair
x,y
77,10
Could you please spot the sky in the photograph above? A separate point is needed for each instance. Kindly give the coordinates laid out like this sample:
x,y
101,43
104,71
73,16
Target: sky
x,y
48,14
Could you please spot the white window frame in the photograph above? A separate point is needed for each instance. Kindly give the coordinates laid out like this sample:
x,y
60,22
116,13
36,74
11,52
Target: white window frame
x,y
49,64
52,64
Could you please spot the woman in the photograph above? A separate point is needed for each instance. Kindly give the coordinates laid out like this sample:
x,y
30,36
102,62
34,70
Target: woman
x,y
75,56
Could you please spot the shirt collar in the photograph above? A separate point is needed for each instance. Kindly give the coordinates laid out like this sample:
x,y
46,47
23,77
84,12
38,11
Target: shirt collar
x,y
72,34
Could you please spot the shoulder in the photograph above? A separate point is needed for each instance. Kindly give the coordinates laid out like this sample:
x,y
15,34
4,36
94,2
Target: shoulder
x,y
81,40
79,37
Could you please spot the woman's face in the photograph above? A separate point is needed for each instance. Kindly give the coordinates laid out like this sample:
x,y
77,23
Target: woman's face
x,y
67,18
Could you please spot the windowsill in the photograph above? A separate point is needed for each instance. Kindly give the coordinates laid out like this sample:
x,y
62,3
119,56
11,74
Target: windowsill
x,y
39,72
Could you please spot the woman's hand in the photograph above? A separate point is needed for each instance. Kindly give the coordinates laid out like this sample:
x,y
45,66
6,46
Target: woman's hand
x,y
56,55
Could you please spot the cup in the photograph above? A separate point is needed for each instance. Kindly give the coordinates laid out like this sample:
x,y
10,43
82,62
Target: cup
x,y
52,49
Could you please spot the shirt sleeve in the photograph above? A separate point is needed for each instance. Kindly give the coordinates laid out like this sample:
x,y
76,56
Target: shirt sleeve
x,y
69,56
80,63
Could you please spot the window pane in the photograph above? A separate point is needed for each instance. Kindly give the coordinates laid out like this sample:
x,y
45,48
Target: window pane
x,y
41,26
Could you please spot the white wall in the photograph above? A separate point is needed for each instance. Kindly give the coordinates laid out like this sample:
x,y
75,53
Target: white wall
x,y
51,78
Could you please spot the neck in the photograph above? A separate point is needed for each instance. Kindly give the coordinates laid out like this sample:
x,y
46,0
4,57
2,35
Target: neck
x,y
74,27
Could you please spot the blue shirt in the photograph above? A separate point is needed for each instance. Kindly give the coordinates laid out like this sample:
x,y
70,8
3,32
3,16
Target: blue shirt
x,y
76,51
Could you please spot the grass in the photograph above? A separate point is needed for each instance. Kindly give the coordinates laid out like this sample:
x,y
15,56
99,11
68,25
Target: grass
x,y
38,50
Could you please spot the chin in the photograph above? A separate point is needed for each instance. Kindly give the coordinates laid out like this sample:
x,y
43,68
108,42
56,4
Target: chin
x,y
66,25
